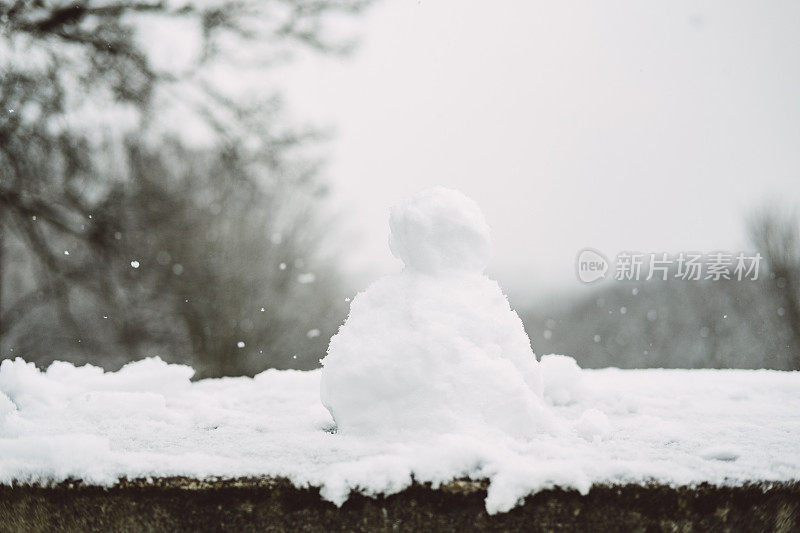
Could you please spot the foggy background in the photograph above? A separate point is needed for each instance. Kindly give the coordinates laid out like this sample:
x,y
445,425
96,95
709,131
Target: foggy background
x,y
208,181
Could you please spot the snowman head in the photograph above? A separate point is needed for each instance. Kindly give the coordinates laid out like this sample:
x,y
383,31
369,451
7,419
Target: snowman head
x,y
439,230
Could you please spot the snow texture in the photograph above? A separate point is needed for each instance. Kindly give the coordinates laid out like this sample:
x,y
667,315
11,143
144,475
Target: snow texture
x,y
439,230
148,419
564,379
435,348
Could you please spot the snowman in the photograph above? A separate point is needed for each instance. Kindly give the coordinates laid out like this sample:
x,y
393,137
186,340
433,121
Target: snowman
x,y
436,347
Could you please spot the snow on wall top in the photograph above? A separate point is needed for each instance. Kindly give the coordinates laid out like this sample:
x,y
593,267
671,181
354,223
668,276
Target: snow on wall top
x,y
148,419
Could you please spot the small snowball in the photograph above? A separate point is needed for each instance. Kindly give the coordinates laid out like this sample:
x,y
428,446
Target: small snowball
x,y
563,380
593,425
135,264
312,333
440,229
240,344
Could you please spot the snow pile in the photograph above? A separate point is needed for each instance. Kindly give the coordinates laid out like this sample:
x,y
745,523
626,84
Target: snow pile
x,y
435,348
593,425
671,426
563,379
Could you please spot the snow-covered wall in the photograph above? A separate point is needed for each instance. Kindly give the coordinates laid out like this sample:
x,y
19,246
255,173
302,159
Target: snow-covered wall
x,y
671,427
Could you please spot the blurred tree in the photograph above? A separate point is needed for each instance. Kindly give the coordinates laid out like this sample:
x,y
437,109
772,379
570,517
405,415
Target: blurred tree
x,y
668,324
776,233
148,207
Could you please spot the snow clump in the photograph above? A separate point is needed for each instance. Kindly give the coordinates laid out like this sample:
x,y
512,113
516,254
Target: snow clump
x,y
435,348
563,380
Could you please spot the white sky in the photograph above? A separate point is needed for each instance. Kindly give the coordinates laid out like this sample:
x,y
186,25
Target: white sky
x,y
635,125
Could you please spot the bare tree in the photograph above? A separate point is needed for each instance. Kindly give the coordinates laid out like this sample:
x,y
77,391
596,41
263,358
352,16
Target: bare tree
x,y
776,233
90,184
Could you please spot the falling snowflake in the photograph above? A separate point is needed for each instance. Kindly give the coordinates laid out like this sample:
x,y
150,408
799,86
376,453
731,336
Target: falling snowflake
x,y
306,278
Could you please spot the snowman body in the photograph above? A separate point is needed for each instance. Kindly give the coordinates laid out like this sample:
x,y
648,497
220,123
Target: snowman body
x,y
436,347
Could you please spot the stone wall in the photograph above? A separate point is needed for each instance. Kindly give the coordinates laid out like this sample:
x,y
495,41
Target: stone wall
x,y
178,504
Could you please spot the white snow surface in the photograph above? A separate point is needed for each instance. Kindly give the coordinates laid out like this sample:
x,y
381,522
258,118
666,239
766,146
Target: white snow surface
x,y
436,347
148,419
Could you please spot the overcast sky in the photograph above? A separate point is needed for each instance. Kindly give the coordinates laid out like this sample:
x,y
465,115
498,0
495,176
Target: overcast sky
x,y
644,125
